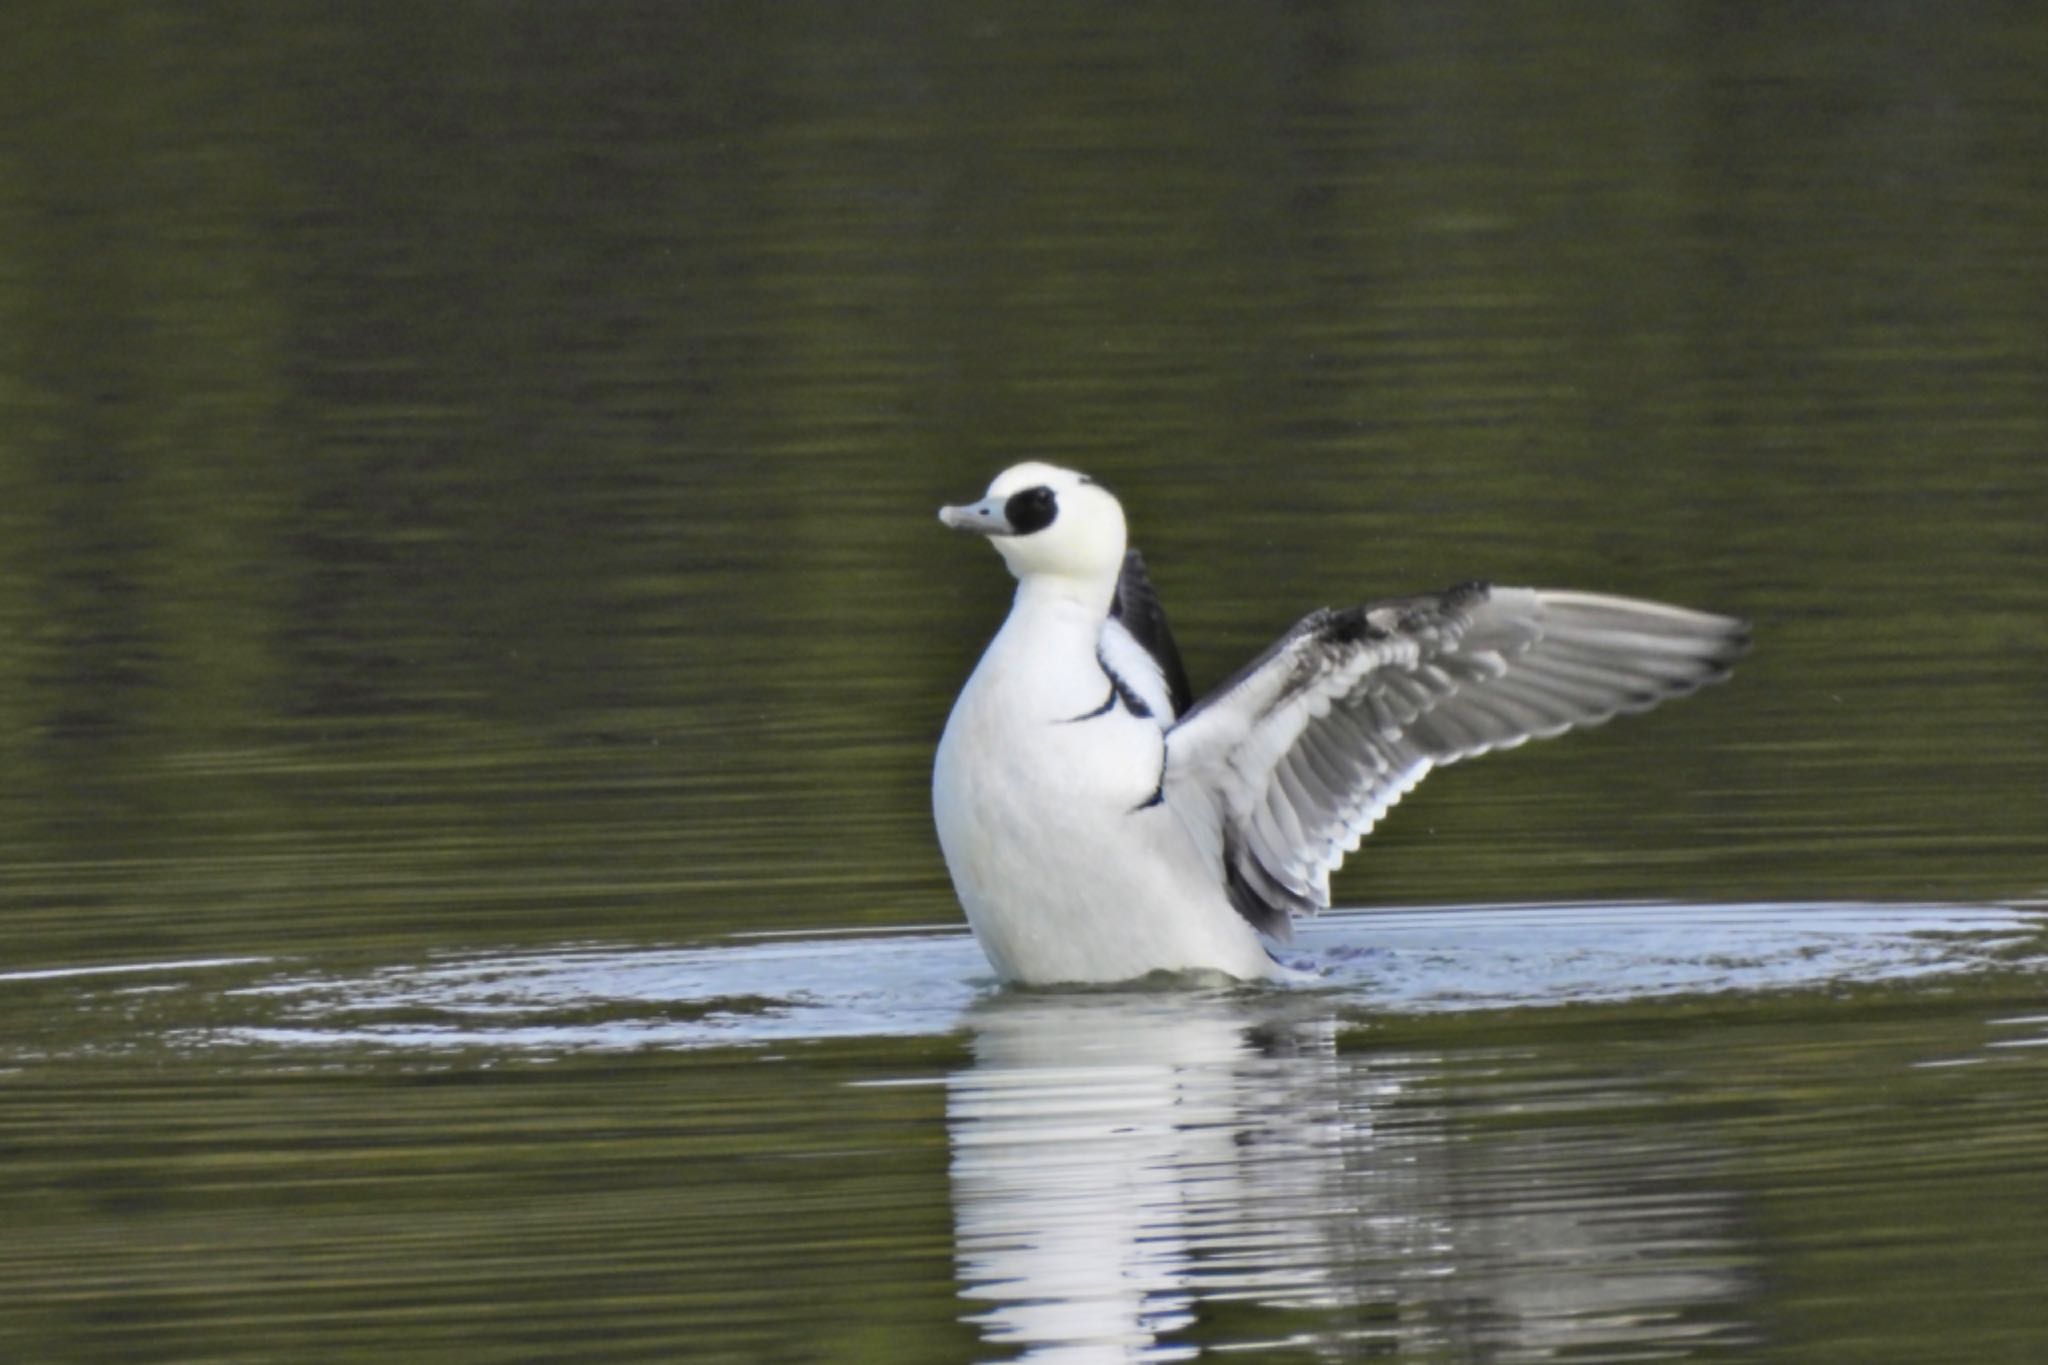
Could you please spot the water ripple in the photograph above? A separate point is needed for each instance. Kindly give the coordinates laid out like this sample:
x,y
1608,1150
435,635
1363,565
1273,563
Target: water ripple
x,y
774,989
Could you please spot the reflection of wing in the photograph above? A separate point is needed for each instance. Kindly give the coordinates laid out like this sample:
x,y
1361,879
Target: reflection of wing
x,y
1137,645
1306,748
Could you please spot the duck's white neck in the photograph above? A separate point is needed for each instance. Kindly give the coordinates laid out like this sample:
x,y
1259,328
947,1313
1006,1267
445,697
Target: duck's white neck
x,y
1059,595
1046,649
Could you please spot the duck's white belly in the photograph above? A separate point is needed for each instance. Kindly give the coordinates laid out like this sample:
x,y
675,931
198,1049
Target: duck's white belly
x,y
1068,868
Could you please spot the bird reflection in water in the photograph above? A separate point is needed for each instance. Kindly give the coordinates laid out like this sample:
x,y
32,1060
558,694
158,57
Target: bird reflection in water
x,y
1131,1170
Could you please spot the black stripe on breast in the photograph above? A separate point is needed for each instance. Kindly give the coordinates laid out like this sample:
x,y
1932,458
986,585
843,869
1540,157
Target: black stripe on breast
x,y
1158,795
1108,704
1123,691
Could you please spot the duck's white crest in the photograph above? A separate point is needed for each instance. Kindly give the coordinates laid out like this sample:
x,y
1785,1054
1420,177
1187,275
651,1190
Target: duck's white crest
x,y
1100,826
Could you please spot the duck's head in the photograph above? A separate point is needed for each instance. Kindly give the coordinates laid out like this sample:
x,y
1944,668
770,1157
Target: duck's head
x,y
1047,521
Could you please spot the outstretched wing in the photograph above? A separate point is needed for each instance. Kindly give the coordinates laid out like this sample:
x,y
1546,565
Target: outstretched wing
x,y
1305,749
1137,646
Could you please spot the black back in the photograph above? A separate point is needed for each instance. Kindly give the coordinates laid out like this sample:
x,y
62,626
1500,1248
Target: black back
x,y
1137,606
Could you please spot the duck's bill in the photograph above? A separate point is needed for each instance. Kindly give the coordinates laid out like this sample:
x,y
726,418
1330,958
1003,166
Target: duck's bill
x,y
983,518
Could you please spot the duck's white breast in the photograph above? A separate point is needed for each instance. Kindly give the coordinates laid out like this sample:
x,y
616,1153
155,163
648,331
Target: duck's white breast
x,y
1068,865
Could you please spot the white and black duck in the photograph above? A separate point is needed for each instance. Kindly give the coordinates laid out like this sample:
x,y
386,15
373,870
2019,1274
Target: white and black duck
x,y
1100,824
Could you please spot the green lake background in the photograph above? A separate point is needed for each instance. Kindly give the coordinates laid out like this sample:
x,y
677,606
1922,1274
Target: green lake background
x,y
467,477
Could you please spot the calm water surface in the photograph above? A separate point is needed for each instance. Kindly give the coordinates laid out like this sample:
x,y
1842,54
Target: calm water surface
x,y
472,632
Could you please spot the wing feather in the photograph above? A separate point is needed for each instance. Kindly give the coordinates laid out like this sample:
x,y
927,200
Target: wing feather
x,y
1300,754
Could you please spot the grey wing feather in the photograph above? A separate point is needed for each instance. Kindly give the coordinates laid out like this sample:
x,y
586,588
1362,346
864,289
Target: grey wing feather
x,y
1287,766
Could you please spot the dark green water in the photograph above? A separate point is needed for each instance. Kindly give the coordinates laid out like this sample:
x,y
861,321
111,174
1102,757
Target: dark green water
x,y
473,629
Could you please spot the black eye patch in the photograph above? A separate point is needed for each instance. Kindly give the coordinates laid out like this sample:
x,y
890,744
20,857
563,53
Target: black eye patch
x,y
1031,510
